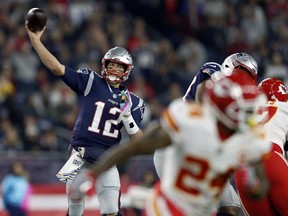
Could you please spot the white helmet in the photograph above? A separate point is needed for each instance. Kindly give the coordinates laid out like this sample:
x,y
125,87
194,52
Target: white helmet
x,y
242,60
119,55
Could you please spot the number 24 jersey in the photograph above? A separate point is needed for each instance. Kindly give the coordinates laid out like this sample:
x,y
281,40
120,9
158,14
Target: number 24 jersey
x,y
198,164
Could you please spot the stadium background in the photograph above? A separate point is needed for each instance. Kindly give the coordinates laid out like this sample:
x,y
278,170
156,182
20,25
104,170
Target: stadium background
x,y
169,41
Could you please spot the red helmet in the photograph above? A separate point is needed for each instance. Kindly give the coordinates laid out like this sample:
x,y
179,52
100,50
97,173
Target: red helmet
x,y
234,100
274,89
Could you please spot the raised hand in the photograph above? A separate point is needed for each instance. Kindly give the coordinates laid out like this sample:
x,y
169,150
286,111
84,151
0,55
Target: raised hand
x,y
125,103
34,35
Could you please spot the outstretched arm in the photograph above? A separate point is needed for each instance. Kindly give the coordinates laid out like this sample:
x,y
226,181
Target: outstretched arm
x,y
46,57
153,138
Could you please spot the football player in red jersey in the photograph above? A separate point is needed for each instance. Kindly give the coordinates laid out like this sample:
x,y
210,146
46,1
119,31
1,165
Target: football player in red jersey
x,y
205,144
274,115
229,202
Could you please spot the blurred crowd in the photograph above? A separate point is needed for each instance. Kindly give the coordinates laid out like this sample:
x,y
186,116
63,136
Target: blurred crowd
x,y
169,41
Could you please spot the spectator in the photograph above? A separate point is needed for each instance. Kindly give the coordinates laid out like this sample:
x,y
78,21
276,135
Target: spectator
x,y
25,63
16,191
10,141
192,50
48,140
276,68
254,18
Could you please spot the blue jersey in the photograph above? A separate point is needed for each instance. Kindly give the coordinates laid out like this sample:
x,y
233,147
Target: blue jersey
x,y
14,189
205,73
98,123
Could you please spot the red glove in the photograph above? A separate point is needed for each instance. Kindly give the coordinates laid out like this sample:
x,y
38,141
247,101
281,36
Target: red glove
x,y
247,180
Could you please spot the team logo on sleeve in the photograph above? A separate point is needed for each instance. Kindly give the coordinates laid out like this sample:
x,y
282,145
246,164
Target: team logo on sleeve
x,y
83,71
210,68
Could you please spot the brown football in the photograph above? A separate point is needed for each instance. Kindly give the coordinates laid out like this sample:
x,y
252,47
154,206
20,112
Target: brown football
x,y
37,19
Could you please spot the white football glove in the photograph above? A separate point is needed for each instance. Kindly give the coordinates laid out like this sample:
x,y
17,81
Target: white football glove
x,y
125,103
70,168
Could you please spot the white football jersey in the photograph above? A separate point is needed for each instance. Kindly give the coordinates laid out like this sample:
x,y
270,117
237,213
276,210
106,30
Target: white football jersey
x,y
198,164
275,116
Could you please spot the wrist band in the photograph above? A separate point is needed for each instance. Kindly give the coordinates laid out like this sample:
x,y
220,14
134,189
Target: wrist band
x,y
130,125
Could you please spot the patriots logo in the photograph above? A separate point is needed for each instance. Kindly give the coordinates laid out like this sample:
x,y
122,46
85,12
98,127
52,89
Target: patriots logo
x,y
83,71
238,55
207,71
242,55
210,68
113,102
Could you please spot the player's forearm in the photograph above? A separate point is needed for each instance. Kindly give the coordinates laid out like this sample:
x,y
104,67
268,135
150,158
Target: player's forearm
x,y
47,58
115,155
138,134
153,138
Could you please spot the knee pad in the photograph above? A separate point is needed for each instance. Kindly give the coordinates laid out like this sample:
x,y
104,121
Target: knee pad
x,y
108,179
108,191
72,194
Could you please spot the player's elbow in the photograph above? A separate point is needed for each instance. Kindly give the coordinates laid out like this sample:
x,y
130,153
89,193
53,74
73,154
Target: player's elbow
x,y
58,69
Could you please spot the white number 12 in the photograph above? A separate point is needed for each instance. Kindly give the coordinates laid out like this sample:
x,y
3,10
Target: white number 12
x,y
108,123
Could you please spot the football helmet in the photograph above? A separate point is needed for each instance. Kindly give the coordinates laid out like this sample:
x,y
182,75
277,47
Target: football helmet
x,y
234,100
119,55
274,89
242,60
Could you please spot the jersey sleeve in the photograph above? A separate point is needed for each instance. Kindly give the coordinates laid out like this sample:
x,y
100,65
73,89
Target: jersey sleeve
x,y
191,91
138,109
176,119
207,71
77,80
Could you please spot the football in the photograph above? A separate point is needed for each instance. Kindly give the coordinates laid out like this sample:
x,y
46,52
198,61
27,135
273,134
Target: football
x,y
37,19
